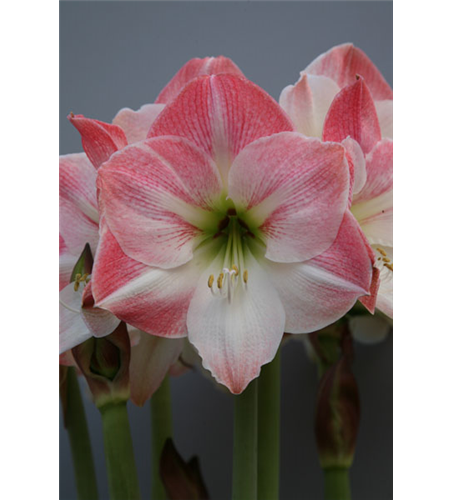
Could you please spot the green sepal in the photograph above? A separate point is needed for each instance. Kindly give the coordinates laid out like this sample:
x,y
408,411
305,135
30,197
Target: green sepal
x,y
84,264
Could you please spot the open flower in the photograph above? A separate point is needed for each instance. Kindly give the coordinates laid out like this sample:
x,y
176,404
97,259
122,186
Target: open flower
x,y
342,97
80,318
227,225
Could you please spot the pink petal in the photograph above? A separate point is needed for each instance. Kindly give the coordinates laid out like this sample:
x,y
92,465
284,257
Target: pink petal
x,y
99,140
155,197
234,339
79,217
357,162
320,291
289,186
73,330
352,113
385,118
136,124
379,172
221,114
307,103
343,62
150,299
194,68
151,360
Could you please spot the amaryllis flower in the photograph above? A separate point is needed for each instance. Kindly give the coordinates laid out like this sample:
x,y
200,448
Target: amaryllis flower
x,y
80,318
358,113
230,227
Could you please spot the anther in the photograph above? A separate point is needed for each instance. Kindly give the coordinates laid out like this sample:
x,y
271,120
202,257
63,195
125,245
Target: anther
x,y
385,259
389,266
236,269
245,276
382,252
220,281
211,280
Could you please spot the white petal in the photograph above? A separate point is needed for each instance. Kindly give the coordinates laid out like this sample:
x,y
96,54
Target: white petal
x,y
235,338
384,113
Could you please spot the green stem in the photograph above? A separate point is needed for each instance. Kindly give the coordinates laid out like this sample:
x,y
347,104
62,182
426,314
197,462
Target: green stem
x,y
121,470
162,429
244,474
337,485
268,430
82,457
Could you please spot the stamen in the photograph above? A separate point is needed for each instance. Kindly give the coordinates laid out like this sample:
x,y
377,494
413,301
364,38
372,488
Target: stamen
x,y
385,259
220,281
211,280
236,269
382,251
389,266
80,279
245,276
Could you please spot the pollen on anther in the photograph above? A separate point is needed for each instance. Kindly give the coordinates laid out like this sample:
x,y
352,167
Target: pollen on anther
x,y
389,266
220,281
236,269
211,280
245,276
382,252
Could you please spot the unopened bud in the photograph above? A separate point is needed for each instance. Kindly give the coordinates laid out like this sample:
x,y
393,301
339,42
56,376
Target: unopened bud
x,y
105,364
337,411
84,264
181,479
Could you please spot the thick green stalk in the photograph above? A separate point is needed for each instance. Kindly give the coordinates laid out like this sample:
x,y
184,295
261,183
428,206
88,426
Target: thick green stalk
x,y
244,474
268,430
121,470
337,485
162,429
82,457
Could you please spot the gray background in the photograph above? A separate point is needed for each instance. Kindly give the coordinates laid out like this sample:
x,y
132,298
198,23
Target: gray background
x,y
117,54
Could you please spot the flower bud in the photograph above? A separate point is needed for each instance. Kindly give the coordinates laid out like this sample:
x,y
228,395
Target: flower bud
x,y
105,364
337,410
84,264
181,479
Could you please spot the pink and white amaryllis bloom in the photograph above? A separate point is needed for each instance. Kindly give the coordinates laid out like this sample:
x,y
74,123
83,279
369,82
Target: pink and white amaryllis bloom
x,y
343,97
151,357
230,227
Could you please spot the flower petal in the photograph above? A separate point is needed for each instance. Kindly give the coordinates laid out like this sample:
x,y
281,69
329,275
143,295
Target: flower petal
x,y
67,263
343,62
99,321
320,291
150,299
99,140
151,359
384,113
379,172
236,338
289,186
307,103
73,330
156,195
352,113
79,218
136,124
355,157
194,68
221,114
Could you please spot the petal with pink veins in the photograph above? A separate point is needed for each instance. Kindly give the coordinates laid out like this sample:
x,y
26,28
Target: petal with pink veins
x,y
352,113
194,68
79,218
150,361
320,291
150,299
157,196
99,139
385,117
343,62
307,103
221,114
379,172
136,124
235,338
288,186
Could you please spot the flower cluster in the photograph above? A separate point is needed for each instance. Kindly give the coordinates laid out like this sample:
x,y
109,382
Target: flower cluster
x,y
220,215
